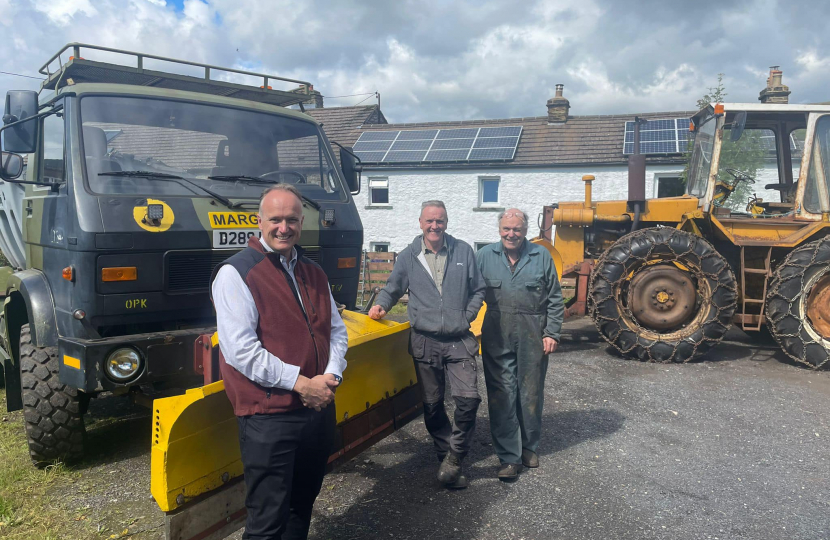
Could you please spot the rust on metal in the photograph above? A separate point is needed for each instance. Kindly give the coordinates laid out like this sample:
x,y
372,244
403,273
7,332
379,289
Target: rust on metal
x,y
662,297
818,306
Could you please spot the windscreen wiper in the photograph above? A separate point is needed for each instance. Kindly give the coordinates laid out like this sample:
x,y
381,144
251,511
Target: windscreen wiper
x,y
164,176
255,180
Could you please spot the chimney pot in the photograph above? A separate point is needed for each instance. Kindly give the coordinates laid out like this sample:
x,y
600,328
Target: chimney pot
x,y
558,107
776,91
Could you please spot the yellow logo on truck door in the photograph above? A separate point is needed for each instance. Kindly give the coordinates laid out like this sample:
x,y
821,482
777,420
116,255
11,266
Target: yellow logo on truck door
x,y
233,220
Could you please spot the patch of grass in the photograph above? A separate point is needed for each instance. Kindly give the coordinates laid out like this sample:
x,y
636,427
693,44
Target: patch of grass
x,y
398,309
28,505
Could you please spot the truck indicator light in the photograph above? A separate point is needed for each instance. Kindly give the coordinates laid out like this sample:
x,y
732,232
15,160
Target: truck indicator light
x,y
121,273
347,262
68,273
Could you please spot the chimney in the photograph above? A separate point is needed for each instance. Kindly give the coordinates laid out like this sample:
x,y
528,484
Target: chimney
x,y
776,91
558,107
315,100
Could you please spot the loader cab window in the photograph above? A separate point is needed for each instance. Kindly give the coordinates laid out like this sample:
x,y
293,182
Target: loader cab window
x,y
817,191
748,164
701,160
53,167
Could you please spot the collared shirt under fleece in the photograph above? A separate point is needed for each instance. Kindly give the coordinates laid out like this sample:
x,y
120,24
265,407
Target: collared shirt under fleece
x,y
239,342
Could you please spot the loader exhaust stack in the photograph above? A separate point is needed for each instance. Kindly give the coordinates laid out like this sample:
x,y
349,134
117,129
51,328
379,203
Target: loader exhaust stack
x,y
636,177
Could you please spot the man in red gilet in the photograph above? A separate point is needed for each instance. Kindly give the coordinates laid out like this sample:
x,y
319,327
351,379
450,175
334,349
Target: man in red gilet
x,y
283,346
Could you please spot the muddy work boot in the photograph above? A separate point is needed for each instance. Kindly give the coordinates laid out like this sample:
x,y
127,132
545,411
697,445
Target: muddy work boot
x,y
509,472
530,459
460,483
450,469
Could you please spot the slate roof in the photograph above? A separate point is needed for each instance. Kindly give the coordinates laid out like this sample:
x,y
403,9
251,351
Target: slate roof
x,y
595,140
340,123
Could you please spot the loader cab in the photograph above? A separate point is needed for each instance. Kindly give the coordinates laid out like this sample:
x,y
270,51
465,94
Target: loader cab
x,y
751,161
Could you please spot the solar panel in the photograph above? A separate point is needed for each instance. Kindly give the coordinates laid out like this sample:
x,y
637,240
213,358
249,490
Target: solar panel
x,y
463,144
452,144
378,135
372,146
411,145
447,155
428,134
458,133
393,156
492,153
667,136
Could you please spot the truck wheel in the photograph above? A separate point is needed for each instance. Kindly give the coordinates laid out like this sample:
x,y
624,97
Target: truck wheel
x,y
798,304
52,410
662,295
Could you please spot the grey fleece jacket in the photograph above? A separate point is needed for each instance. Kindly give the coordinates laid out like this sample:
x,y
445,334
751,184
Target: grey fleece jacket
x,y
463,289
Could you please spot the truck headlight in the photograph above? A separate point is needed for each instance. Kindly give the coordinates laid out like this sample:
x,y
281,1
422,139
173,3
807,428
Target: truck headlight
x,y
122,364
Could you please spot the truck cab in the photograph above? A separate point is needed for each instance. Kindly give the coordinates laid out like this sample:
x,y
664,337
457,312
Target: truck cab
x,y
138,184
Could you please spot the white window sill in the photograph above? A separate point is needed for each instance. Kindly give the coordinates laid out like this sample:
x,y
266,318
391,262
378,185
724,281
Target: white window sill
x,y
488,209
378,207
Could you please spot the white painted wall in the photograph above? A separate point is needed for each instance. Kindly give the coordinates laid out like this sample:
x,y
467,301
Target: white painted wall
x,y
528,190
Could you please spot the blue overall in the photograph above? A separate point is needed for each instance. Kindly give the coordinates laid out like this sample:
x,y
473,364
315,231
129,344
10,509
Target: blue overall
x,y
523,306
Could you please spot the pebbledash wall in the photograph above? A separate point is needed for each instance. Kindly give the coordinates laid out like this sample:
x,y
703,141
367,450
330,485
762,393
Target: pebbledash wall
x,y
396,223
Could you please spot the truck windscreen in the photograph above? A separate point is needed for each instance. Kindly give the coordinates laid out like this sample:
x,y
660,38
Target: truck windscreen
x,y
243,149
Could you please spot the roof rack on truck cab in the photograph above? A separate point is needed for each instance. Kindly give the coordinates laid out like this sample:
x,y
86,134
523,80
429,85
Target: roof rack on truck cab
x,y
80,70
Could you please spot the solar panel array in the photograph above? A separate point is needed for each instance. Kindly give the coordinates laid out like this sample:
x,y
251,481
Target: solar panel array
x,y
659,136
465,144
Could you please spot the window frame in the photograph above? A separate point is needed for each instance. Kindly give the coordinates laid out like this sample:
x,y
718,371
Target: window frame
x,y
374,245
481,181
372,189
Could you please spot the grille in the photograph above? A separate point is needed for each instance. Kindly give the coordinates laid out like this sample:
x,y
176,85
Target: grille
x,y
190,271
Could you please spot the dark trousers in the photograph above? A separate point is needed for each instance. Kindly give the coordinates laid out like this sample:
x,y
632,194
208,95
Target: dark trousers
x,y
284,456
449,358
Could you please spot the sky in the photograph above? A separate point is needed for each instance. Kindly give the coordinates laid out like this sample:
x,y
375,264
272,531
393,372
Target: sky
x,y
434,60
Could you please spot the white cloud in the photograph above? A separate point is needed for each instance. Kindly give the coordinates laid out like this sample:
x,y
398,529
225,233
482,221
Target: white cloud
x,y
61,12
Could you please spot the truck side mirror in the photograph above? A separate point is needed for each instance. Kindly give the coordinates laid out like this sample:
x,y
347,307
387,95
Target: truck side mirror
x,y
737,128
11,166
351,169
20,105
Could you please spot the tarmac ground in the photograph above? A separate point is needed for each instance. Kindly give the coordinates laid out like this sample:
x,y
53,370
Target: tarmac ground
x,y
731,447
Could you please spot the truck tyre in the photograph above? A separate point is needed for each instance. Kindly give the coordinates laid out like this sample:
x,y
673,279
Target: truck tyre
x,y
52,410
662,295
798,304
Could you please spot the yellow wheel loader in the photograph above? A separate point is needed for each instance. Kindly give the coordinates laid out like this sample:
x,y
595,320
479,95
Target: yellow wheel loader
x,y
664,279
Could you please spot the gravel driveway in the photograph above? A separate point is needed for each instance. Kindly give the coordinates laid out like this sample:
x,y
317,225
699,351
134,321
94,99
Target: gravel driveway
x,y
734,447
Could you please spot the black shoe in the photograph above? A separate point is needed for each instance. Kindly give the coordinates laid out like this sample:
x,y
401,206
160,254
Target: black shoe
x,y
530,459
450,469
509,472
460,483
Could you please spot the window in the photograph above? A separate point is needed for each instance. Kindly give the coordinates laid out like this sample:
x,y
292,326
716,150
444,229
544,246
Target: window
x,y
378,191
53,149
818,178
668,185
379,247
480,245
488,191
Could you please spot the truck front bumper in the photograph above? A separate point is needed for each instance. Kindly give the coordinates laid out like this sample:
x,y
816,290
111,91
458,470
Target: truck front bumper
x,y
166,357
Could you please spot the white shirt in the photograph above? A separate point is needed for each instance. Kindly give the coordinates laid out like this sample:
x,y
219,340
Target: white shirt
x,y
236,322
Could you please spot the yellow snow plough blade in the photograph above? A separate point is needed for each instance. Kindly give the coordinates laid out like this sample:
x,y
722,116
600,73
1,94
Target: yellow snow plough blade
x,y
195,446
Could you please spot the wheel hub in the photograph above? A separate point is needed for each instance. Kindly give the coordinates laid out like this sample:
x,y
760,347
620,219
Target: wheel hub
x,y
662,297
818,306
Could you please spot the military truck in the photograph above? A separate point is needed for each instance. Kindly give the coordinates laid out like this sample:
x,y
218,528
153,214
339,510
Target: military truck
x,y
138,182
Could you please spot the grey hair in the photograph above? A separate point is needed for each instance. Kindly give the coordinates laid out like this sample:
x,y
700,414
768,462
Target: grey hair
x,y
280,187
434,203
523,216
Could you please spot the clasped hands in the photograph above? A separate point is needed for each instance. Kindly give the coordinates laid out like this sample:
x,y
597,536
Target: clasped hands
x,y
316,393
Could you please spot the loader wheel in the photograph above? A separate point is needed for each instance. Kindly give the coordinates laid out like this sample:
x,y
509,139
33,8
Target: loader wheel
x,y
52,410
798,304
662,295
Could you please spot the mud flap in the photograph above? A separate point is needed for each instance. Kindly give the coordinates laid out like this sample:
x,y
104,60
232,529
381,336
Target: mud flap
x,y
195,463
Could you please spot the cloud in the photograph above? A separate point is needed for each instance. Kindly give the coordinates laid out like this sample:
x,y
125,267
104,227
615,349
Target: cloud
x,y
438,60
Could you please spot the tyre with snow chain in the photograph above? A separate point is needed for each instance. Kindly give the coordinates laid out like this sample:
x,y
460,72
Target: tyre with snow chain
x,y
52,410
798,304
662,295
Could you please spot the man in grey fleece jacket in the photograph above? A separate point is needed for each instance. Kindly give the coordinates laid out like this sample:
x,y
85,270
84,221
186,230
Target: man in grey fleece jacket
x,y
446,291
